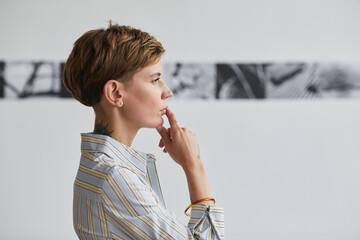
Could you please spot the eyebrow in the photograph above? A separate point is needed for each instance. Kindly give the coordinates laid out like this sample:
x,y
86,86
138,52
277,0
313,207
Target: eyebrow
x,y
156,74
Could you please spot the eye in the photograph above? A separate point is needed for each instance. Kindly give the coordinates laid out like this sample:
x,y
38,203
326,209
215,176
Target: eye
x,y
156,80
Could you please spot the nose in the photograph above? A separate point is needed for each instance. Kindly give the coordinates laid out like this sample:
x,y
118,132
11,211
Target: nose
x,y
166,92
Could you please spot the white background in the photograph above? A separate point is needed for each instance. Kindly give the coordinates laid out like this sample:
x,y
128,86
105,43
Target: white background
x,y
282,169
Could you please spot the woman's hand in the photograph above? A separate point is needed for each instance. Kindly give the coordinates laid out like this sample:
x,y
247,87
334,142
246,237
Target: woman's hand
x,y
181,144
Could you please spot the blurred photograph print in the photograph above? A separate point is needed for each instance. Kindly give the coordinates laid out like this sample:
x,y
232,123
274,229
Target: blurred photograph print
x,y
42,79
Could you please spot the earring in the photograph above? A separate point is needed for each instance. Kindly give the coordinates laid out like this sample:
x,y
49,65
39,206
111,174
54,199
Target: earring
x,y
121,104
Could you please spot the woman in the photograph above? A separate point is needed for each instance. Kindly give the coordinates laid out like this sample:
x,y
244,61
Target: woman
x,y
117,195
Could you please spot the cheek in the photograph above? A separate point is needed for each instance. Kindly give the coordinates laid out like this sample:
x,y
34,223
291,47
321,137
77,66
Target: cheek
x,y
148,102
145,102
151,99
146,106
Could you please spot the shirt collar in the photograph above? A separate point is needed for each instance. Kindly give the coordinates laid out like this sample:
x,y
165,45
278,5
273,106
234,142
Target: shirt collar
x,y
135,160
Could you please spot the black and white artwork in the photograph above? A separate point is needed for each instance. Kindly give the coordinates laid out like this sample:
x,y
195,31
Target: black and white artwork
x,y
240,81
42,79
31,79
190,80
313,80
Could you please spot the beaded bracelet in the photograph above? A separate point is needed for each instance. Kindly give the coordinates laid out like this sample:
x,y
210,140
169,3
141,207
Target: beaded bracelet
x,y
198,201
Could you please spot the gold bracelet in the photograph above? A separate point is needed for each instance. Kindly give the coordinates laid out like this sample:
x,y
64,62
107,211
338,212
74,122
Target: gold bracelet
x,y
198,201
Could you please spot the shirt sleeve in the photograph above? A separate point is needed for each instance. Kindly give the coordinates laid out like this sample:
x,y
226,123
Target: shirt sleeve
x,y
133,211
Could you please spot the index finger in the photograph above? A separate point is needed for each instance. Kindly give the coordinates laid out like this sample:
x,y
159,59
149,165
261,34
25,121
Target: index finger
x,y
172,119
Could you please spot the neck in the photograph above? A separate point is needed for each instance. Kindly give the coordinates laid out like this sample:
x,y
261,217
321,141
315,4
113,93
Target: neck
x,y
114,126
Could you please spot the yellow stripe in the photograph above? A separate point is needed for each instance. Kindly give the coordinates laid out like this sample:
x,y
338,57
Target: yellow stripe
x,y
216,211
138,230
218,224
199,228
88,210
151,155
87,186
119,225
87,155
135,191
90,219
79,212
155,199
172,224
114,150
217,208
209,234
120,218
135,154
159,183
79,218
192,221
116,236
121,196
102,220
111,206
148,179
94,158
90,150
132,227
199,207
118,153
155,227
92,172
101,142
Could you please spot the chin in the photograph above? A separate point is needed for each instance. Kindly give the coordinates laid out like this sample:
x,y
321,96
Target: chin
x,y
160,123
155,124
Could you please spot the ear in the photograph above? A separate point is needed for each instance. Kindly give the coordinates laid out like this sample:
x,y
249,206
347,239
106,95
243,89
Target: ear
x,y
113,92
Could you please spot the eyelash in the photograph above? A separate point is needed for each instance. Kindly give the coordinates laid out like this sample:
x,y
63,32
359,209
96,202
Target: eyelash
x,y
155,80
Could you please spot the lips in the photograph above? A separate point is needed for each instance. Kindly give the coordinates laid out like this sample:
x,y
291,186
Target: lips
x,y
163,111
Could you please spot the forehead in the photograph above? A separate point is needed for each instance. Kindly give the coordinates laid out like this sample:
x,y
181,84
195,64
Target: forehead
x,y
149,71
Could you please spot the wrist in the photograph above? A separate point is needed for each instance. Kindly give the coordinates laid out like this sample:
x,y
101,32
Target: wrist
x,y
206,201
192,167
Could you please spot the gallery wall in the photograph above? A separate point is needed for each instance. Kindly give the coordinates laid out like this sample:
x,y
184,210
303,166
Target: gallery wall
x,y
282,168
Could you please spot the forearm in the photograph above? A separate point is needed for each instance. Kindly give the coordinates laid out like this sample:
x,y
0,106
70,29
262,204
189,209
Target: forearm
x,y
197,180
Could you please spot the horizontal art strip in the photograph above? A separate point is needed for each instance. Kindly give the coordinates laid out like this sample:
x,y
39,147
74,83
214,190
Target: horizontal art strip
x,y
42,79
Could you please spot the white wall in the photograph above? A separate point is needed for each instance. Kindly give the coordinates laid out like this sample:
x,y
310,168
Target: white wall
x,y
282,169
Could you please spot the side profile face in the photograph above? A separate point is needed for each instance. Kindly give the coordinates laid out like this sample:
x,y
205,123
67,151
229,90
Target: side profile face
x,y
145,97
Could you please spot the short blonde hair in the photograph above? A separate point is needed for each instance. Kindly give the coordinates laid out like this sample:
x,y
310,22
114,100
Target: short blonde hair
x,y
104,54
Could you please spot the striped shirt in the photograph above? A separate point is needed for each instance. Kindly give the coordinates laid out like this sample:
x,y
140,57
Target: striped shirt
x,y
117,195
